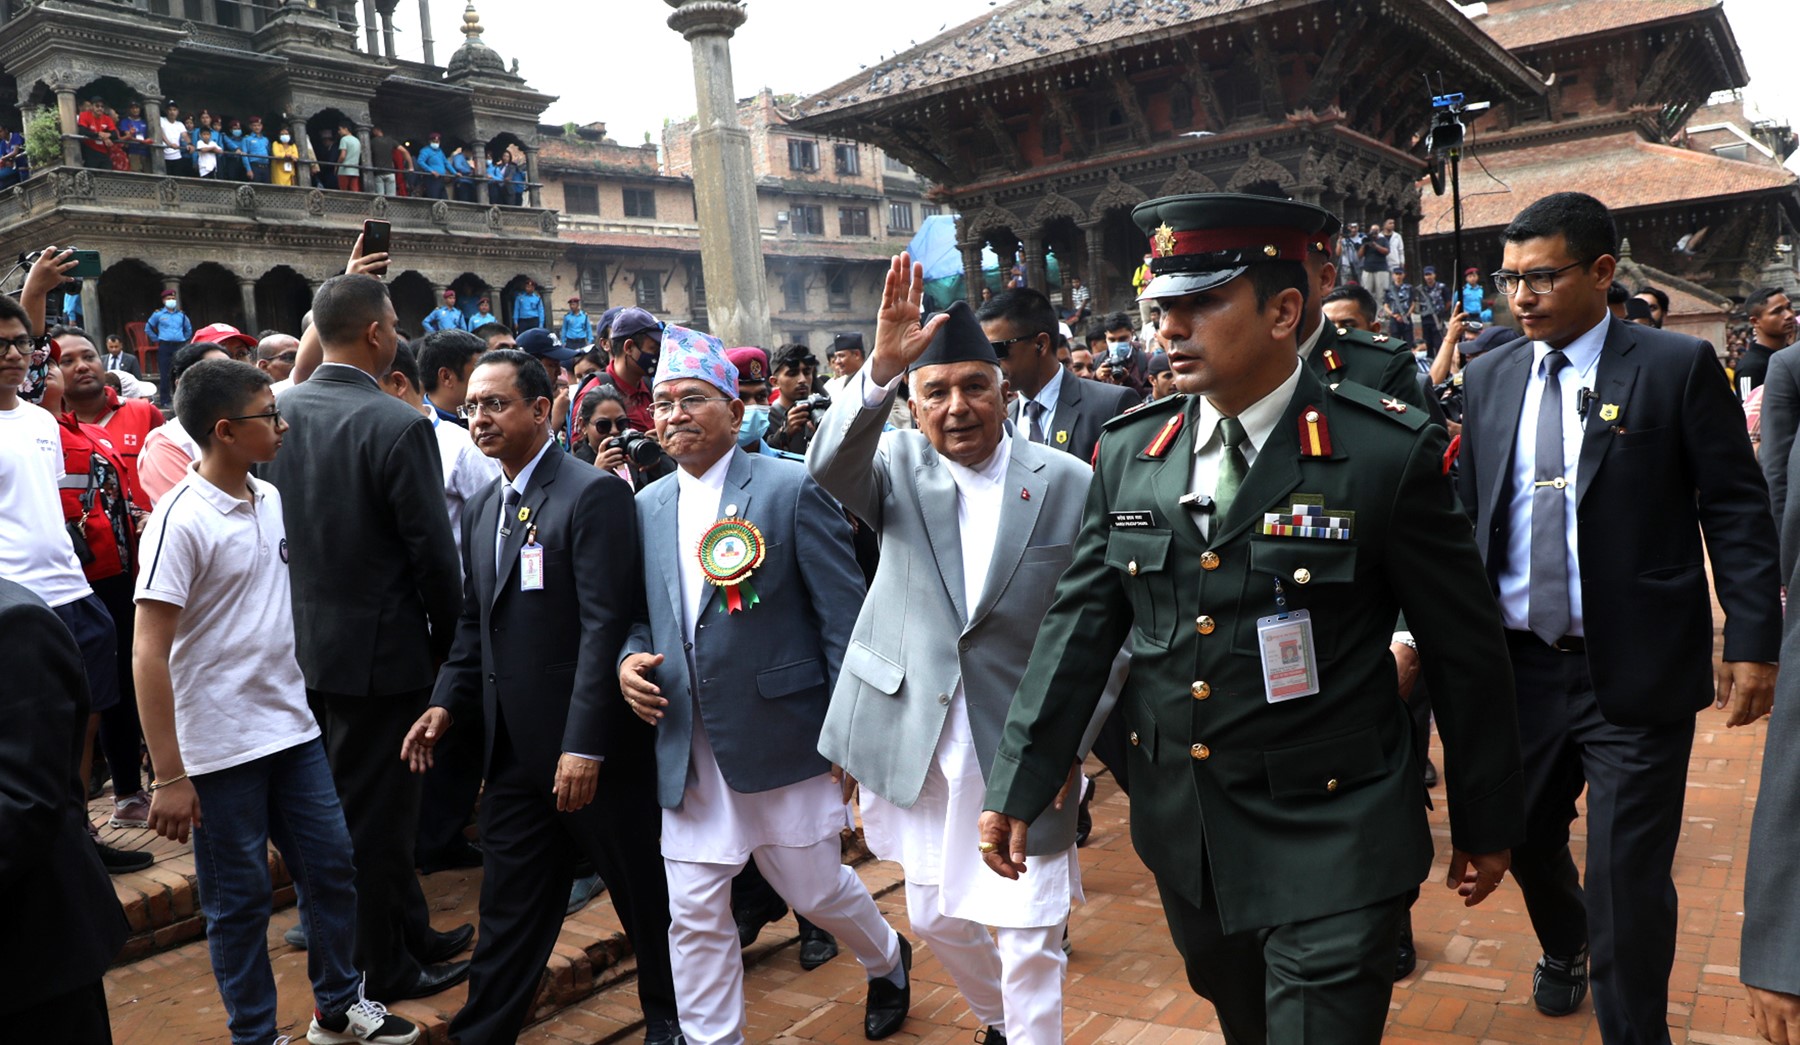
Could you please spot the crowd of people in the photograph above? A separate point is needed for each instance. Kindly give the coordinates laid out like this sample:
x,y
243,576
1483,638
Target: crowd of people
x,y
341,597
236,148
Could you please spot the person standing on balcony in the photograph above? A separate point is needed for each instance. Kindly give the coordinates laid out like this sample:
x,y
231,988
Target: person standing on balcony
x,y
349,174
433,165
133,130
255,149
284,167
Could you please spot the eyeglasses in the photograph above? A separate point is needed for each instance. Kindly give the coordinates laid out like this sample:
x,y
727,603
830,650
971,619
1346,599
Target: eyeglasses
x,y
22,345
1542,281
491,405
665,408
272,415
1001,346
605,425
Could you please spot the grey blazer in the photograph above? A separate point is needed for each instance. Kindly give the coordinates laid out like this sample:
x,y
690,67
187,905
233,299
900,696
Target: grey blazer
x,y
1780,419
1770,949
915,639
760,678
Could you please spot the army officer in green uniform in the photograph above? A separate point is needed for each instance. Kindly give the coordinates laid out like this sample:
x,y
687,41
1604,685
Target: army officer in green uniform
x,y
1253,540
1338,354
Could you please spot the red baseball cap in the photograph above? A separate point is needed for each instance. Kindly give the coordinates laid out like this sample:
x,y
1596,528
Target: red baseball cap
x,y
223,334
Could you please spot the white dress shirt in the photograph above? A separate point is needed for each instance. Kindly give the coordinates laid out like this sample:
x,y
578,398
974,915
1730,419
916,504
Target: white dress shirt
x,y
501,518
1048,396
467,471
715,824
1515,576
1259,420
1312,342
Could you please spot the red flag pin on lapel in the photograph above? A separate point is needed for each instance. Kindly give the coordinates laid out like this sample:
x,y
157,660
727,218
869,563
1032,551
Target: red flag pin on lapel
x,y
1024,495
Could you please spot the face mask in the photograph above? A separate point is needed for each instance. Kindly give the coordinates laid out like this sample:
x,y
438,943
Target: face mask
x,y
647,361
1118,351
754,426
170,305
286,138
237,134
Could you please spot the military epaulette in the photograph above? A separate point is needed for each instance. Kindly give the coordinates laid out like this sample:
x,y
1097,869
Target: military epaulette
x,y
1362,337
1385,405
1154,408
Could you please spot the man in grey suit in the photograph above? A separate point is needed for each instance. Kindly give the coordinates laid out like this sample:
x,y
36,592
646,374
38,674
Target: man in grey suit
x,y
569,771
732,661
376,588
1059,409
917,713
1780,420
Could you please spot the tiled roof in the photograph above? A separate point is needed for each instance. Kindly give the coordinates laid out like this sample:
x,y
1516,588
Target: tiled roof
x,y
1621,170
1527,23
1025,34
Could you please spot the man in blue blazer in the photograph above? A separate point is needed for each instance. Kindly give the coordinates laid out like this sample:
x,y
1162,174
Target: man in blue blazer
x,y
733,660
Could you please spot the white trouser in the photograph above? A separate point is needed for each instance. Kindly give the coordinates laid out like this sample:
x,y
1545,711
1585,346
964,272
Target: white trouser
x,y
1016,987
703,940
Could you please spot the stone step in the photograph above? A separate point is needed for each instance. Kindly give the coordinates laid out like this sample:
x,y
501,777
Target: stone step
x,y
165,992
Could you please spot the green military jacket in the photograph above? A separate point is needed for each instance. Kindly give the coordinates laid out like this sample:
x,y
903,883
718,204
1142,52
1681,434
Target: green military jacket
x,y
1373,360
1293,810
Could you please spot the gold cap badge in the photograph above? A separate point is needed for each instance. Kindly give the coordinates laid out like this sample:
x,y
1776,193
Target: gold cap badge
x,y
1164,241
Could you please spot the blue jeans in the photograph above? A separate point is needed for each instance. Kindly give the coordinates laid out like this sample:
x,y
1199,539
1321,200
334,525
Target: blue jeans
x,y
289,797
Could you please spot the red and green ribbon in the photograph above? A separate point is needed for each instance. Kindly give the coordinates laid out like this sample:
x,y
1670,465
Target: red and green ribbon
x,y
729,552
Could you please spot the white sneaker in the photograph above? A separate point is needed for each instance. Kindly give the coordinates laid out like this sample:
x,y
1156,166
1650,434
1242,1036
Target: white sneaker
x,y
363,1021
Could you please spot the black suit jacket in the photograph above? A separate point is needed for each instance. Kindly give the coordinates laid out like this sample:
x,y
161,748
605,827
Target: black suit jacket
x,y
127,362
1082,407
1665,461
61,924
548,660
372,557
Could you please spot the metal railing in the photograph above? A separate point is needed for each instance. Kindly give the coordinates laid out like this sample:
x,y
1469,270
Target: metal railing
x,y
108,192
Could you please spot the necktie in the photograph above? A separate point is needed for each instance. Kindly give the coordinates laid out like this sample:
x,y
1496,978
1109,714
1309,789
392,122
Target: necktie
x,y
1232,466
1034,414
1548,614
509,505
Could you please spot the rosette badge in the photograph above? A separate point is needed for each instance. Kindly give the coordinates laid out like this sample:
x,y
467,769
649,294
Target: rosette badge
x,y
729,552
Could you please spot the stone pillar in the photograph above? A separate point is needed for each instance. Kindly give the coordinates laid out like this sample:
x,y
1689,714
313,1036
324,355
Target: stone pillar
x,y
1092,232
537,200
737,294
1037,268
425,30
90,311
480,162
387,34
368,154
65,112
303,168
247,288
368,20
153,121
972,283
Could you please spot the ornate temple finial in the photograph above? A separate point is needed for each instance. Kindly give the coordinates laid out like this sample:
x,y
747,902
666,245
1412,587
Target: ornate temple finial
x,y
471,23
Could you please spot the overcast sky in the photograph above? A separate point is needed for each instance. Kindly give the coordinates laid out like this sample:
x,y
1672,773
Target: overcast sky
x,y
618,61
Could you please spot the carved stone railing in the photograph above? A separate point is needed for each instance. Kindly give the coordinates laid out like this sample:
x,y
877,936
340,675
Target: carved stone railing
x,y
65,188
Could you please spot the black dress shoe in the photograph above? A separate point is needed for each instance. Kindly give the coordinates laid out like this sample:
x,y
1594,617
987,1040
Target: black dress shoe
x,y
663,1032
816,946
1408,957
989,1036
888,1004
445,946
1431,774
1084,821
460,857
1559,984
433,979
122,861
750,922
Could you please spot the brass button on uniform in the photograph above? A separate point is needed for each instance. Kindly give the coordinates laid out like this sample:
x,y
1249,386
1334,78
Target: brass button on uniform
x,y
1133,738
1302,575
1201,690
1200,752
1331,785
1209,561
1131,567
1205,625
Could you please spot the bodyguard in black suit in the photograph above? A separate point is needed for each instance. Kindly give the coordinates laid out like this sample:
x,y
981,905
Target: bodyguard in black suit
x,y
1596,455
570,771
1054,406
375,590
61,924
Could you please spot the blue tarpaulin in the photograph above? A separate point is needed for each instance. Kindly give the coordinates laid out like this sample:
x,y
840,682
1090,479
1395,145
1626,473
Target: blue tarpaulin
x,y
934,246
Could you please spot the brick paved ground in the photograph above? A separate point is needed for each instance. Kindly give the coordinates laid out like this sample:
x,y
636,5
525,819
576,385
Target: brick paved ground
x,y
1125,983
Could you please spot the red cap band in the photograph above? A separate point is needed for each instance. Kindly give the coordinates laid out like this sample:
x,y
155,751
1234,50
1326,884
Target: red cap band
x,y
1273,243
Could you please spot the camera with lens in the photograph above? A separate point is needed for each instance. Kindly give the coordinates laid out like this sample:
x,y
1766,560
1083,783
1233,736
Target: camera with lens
x,y
816,403
642,450
1452,397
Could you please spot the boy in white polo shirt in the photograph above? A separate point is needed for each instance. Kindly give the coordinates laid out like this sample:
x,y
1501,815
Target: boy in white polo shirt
x,y
224,711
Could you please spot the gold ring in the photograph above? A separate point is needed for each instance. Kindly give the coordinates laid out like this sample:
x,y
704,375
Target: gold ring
x,y
988,847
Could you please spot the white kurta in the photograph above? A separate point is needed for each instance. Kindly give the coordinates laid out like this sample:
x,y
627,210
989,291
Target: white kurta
x,y
934,841
715,824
